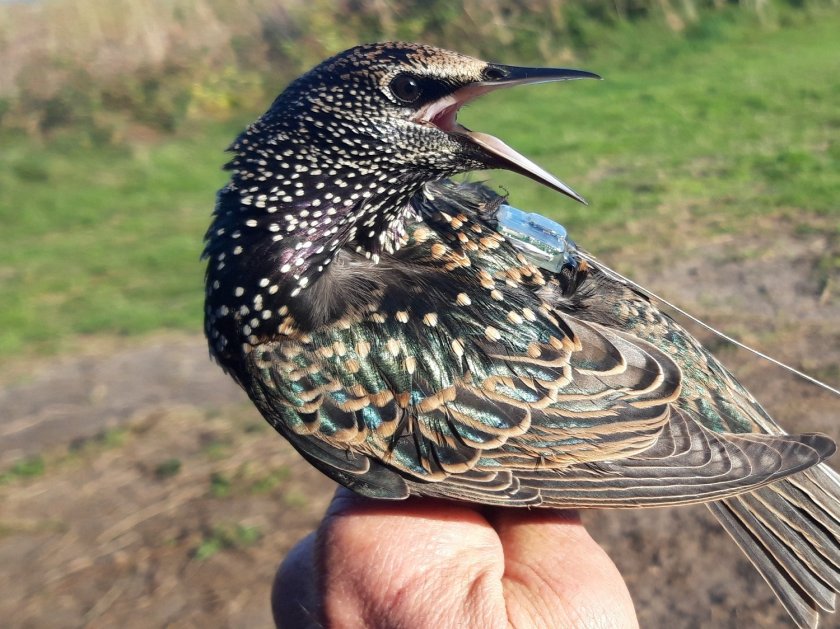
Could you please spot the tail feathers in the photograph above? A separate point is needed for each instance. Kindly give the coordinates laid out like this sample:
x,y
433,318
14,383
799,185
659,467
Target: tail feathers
x,y
790,530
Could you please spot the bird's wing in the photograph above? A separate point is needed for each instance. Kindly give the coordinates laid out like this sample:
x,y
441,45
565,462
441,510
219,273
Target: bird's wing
x,y
456,370
546,410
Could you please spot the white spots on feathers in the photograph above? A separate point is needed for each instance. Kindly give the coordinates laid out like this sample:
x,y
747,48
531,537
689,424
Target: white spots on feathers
x,y
492,333
321,171
458,347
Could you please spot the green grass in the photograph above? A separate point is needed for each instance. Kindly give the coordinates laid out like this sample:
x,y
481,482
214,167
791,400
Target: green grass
x,y
103,239
27,468
168,468
729,118
247,479
220,485
225,538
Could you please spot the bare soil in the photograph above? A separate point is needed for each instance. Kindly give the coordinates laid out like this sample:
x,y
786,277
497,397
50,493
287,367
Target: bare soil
x,y
164,500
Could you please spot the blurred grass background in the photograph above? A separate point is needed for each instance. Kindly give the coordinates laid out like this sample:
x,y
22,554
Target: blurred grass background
x,y
114,115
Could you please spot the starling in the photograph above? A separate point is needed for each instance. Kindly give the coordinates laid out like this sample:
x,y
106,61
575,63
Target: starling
x,y
414,336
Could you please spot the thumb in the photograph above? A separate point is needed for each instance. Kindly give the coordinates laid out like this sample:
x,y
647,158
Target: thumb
x,y
556,575
414,563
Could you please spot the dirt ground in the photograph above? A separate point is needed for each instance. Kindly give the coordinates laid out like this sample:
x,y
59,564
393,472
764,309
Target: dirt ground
x,y
142,490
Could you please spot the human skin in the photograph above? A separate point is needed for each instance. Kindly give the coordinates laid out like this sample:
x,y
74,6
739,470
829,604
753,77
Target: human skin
x,y
428,563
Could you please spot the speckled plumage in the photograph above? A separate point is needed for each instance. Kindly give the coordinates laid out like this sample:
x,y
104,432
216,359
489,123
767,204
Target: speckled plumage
x,y
381,323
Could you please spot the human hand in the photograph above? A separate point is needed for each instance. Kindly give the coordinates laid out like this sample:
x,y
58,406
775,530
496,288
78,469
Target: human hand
x,y
429,563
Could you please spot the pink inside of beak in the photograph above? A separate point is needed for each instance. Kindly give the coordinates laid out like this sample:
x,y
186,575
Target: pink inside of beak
x,y
442,114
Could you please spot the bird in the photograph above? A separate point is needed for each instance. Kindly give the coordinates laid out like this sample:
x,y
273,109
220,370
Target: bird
x,y
410,335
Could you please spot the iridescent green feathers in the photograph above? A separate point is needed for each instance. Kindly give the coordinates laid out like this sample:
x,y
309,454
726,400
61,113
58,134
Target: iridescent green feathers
x,y
466,364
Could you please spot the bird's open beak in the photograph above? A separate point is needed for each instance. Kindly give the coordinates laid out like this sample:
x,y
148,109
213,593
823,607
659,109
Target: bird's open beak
x,y
495,153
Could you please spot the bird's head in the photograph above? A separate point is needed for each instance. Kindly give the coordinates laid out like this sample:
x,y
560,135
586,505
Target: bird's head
x,y
334,162
389,110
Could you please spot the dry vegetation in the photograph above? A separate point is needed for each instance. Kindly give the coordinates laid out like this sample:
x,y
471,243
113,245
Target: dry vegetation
x,y
90,62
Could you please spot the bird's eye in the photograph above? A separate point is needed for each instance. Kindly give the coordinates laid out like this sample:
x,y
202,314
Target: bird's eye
x,y
492,73
405,88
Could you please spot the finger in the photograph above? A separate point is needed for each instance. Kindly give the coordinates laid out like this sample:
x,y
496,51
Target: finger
x,y
293,600
556,575
423,563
